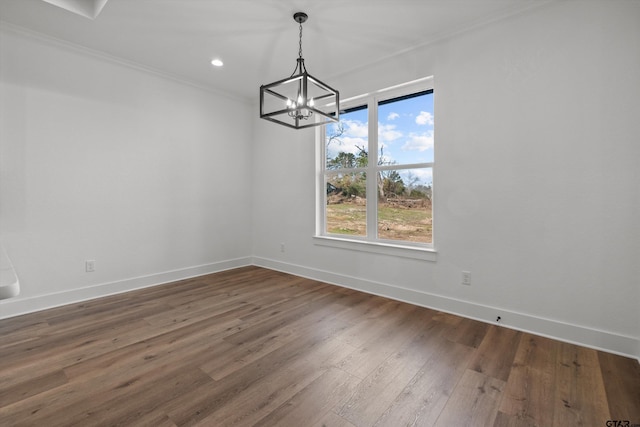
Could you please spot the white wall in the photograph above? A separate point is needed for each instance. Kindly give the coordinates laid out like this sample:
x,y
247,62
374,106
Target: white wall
x,y
103,161
537,189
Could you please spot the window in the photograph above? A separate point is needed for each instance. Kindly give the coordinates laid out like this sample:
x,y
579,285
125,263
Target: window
x,y
376,180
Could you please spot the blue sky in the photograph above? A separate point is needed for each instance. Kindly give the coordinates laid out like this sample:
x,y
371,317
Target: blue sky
x,y
405,132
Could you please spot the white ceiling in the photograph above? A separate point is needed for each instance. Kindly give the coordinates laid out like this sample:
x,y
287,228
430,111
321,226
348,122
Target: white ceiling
x,y
256,39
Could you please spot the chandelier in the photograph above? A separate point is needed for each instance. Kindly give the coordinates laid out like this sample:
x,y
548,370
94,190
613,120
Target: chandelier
x,y
301,100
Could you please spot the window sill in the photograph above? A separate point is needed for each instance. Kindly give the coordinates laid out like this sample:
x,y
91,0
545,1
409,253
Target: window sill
x,y
419,253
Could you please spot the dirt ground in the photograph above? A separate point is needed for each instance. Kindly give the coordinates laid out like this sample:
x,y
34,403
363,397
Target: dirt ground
x,y
396,221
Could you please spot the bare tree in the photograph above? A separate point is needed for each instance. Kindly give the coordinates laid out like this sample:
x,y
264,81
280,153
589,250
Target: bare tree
x,y
339,130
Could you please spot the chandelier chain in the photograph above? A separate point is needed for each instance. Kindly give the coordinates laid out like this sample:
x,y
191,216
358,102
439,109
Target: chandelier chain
x,y
300,44
300,62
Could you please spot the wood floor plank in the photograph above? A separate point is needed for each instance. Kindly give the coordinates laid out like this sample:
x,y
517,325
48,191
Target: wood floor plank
x,y
18,333
252,346
97,386
331,419
268,393
621,377
474,401
507,420
84,333
194,407
448,318
402,328
282,316
109,371
31,387
184,315
314,321
19,325
123,404
368,328
580,398
530,391
117,310
258,400
51,354
313,402
495,354
468,332
206,335
133,402
423,399
380,388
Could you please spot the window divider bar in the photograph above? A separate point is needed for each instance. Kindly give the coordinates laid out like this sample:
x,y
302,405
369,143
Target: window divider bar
x,y
345,170
372,162
404,166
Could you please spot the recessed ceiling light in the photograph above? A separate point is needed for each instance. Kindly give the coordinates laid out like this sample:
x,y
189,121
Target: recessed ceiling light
x,y
217,62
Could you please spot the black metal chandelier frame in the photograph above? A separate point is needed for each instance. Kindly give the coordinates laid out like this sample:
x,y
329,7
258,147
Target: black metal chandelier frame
x,y
298,113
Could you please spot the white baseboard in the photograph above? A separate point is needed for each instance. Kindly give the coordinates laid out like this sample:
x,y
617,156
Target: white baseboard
x,y
17,306
593,338
627,346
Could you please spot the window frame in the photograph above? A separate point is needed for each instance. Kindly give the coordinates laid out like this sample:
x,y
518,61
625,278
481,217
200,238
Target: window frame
x,y
370,243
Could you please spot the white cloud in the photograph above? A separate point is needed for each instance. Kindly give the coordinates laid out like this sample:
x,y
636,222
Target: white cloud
x,y
393,116
419,142
356,129
424,118
388,133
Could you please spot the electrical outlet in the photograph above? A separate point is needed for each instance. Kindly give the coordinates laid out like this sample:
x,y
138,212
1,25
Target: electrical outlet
x,y
466,278
90,265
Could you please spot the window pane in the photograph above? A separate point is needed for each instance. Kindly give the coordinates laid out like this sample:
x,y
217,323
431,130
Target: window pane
x,y
404,205
405,130
346,141
346,209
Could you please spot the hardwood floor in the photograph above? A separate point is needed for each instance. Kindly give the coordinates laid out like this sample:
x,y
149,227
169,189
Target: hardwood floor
x,y
257,347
